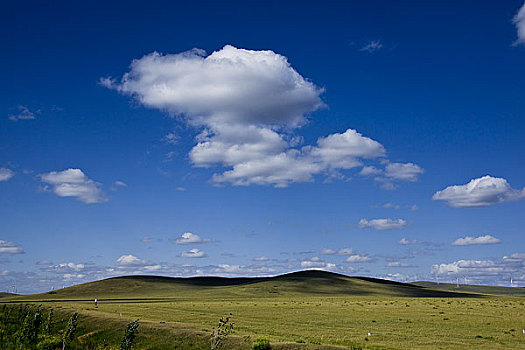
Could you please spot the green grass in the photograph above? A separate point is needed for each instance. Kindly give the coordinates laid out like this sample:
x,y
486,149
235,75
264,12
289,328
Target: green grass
x,y
308,309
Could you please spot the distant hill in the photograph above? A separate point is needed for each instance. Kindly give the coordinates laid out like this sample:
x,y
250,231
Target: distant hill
x,y
5,294
302,283
492,290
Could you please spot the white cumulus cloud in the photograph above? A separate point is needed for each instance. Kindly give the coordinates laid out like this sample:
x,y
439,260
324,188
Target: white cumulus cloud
x,y
74,183
247,103
383,224
480,192
519,21
233,86
6,174
468,240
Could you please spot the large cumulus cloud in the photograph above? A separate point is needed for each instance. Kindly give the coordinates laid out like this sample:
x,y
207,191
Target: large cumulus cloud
x,y
247,105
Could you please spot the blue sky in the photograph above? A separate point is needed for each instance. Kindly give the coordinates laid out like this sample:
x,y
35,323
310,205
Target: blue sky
x,y
247,139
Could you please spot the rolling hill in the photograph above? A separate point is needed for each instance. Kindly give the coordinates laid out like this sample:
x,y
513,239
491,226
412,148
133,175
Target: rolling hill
x,y
491,290
302,283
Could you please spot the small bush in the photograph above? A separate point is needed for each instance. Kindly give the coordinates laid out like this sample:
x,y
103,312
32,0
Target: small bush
x,y
51,343
69,333
129,335
224,329
261,343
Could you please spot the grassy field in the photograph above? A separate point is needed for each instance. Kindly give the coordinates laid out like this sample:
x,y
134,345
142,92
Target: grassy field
x,y
309,309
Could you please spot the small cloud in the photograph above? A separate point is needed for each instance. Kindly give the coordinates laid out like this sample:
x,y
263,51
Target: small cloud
x,y
181,189
316,262
399,264
386,184
10,248
480,192
391,206
6,174
414,207
343,251
404,241
383,224
169,156
193,253
372,46
23,114
130,260
147,239
70,266
261,258
72,276
120,184
487,239
171,138
370,170
44,262
519,21
74,183
357,258
403,171
189,238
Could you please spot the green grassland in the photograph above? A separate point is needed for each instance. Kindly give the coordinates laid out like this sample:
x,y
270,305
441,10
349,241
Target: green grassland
x,y
309,309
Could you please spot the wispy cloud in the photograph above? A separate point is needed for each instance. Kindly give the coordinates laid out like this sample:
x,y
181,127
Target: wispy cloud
x,y
383,224
372,46
358,258
23,114
342,251
10,248
404,241
519,21
403,171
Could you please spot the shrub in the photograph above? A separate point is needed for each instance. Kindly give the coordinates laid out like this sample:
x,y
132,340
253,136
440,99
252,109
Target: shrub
x,y
261,343
69,333
51,343
129,335
224,329
48,324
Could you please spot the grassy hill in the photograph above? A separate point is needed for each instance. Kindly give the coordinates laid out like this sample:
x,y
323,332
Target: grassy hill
x,y
5,294
490,290
300,310
302,283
